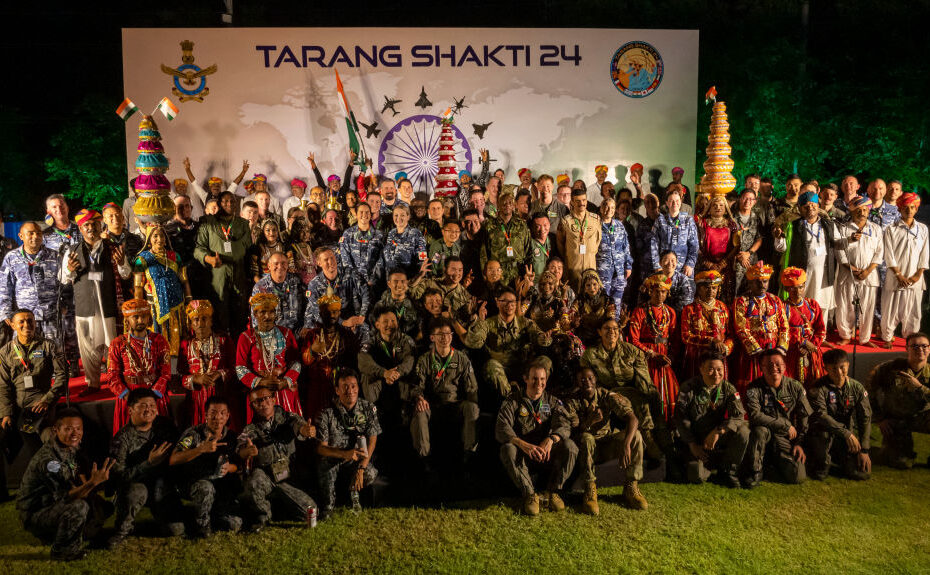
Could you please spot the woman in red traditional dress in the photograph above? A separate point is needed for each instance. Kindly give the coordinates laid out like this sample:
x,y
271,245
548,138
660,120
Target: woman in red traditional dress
x,y
327,348
806,330
652,326
717,235
204,363
705,324
267,355
137,358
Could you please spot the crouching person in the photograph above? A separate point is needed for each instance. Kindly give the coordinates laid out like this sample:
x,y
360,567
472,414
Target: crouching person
x,y
141,449
206,462
348,433
841,422
710,420
57,499
778,422
592,411
269,445
534,429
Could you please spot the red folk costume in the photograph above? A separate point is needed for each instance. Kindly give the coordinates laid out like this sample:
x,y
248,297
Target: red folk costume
x,y
651,329
326,348
135,362
200,356
760,323
702,325
805,324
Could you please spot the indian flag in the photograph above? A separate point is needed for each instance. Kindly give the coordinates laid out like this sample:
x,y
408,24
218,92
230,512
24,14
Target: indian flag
x,y
126,109
351,124
168,108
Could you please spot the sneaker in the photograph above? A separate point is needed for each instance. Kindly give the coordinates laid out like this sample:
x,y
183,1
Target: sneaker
x,y
589,504
632,496
555,502
531,505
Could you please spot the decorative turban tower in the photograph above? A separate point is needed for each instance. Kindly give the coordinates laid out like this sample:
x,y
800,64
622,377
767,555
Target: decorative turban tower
x,y
153,204
717,179
446,178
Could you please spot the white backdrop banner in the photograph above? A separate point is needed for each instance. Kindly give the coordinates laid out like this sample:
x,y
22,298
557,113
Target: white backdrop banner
x,y
552,100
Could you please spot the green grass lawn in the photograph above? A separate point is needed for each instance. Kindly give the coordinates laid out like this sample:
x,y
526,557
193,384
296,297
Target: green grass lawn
x,y
835,526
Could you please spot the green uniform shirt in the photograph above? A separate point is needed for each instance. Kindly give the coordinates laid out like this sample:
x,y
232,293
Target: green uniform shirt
x,y
510,344
456,297
444,380
778,409
438,252
594,415
46,364
513,234
211,239
700,409
894,396
540,252
531,421
841,411
623,366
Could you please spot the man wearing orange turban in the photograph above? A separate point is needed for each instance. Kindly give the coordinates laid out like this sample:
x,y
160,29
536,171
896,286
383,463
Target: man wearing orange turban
x,y
806,330
760,323
907,256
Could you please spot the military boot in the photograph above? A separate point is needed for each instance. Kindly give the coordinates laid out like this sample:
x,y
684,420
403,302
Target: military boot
x,y
555,502
589,504
729,477
531,505
632,496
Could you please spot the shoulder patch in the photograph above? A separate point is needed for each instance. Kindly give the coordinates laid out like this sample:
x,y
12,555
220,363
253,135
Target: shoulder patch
x,y
186,442
524,411
736,395
53,466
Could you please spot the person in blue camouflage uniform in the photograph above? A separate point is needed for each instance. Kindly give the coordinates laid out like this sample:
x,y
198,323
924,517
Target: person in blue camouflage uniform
x,y
345,283
29,280
682,291
404,246
62,235
614,262
677,232
361,247
347,433
56,502
445,247
290,292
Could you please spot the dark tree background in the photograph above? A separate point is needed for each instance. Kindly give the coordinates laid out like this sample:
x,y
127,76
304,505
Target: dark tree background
x,y
822,87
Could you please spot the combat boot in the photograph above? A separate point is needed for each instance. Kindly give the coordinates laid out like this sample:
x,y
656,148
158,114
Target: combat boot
x,y
632,496
555,502
531,504
589,504
729,478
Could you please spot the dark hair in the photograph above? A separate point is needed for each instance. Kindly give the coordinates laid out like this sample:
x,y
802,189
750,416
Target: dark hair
x,y
20,310
469,212
711,356
472,192
372,193
539,214
382,310
215,400
752,175
835,356
506,290
343,374
138,394
451,259
794,177
895,182
770,352
258,388
249,204
65,413
666,252
224,193
394,271
533,365
452,221
915,335
831,186
765,180
523,192
439,323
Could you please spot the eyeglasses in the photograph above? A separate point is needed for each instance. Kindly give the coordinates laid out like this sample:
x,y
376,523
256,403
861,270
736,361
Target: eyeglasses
x,y
919,346
443,334
261,400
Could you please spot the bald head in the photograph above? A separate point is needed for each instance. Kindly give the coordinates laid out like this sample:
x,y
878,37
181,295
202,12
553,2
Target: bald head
x,y
277,267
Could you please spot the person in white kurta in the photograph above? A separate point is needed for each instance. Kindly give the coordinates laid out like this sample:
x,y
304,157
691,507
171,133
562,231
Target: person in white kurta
x,y
859,252
907,256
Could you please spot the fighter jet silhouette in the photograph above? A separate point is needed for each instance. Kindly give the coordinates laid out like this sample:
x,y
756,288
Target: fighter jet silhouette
x,y
459,104
480,129
423,102
371,130
389,105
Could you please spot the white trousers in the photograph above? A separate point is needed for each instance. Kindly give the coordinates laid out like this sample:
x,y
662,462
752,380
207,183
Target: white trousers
x,y
92,339
846,315
900,307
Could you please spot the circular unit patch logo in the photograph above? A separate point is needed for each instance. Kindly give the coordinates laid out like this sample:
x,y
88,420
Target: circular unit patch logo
x,y
636,69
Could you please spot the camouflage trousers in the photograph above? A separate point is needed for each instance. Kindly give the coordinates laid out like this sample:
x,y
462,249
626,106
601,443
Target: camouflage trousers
x,y
560,465
67,523
898,448
596,450
261,490
215,499
161,498
776,449
329,470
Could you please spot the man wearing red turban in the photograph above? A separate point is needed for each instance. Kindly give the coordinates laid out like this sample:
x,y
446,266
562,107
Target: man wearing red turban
x,y
907,256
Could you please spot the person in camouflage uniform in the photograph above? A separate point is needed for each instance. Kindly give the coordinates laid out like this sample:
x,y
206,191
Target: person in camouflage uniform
x,y
56,501
455,298
841,422
29,280
63,235
900,398
446,247
614,262
351,288
404,246
268,446
778,422
508,240
348,434
140,451
290,292
534,431
443,392
395,299
710,420
361,247
592,410
206,463
510,341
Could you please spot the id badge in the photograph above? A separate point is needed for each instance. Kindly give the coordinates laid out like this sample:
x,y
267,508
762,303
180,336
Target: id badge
x,y
281,470
582,249
509,251
820,251
95,276
227,247
27,382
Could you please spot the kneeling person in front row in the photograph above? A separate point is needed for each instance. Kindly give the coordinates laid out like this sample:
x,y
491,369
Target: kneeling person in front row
x,y
778,421
591,410
841,422
348,433
57,503
141,449
534,429
269,442
709,417
206,461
